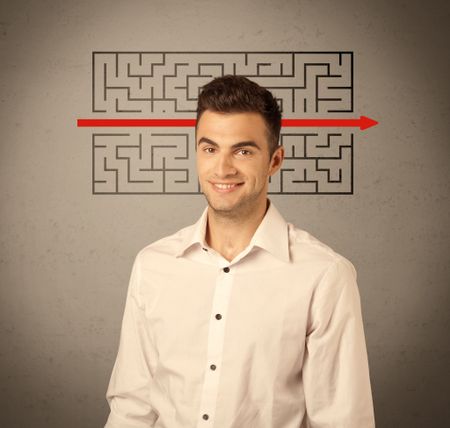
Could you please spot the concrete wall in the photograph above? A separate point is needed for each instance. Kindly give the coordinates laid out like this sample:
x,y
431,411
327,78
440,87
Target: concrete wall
x,y
66,254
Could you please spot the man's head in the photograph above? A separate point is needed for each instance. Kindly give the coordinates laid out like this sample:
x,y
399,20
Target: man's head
x,y
237,145
237,94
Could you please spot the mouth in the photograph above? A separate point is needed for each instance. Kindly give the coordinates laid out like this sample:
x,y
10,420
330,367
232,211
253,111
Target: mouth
x,y
225,187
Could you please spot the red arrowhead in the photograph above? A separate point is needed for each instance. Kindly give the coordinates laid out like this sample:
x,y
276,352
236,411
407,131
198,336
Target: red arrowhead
x,y
366,122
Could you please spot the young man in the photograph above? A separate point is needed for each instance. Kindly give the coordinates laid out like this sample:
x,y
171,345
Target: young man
x,y
240,320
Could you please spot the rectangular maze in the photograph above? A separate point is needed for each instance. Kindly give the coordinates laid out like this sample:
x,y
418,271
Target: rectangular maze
x,y
166,85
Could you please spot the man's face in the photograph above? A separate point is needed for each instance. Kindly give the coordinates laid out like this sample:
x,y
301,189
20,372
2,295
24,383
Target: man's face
x,y
233,161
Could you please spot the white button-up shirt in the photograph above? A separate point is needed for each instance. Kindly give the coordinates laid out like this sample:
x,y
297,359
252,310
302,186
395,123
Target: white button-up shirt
x,y
272,339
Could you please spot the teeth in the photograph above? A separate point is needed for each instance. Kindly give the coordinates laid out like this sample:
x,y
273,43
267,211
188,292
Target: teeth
x,y
224,186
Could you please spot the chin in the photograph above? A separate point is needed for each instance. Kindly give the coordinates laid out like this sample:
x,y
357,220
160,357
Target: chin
x,y
220,206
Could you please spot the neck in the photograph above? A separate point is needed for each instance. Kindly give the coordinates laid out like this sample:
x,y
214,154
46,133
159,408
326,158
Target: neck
x,y
229,235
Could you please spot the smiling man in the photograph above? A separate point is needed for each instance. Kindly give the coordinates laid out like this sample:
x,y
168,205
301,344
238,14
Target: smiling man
x,y
241,320
236,155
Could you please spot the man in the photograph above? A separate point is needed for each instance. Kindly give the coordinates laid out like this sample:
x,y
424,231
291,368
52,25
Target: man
x,y
240,320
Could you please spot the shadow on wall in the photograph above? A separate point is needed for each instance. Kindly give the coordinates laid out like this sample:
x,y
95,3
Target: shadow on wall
x,y
410,378
65,390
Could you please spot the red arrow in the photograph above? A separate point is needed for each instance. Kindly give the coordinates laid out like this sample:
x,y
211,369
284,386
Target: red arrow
x,y
362,123
134,122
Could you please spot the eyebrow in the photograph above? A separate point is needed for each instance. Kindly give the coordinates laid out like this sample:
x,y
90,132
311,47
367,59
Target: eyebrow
x,y
234,146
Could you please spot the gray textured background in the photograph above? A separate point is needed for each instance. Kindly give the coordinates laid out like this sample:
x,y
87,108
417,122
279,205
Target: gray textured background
x,y
66,254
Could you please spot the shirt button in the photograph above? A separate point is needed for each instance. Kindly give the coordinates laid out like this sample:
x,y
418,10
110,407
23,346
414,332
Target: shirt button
x,y
212,367
218,317
226,269
205,417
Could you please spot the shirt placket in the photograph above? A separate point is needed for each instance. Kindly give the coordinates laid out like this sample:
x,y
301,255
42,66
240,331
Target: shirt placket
x,y
216,336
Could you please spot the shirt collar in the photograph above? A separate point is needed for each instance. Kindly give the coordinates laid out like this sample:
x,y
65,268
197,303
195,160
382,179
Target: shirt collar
x,y
271,234
195,234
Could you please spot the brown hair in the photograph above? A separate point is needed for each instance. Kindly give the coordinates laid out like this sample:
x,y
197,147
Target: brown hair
x,y
237,94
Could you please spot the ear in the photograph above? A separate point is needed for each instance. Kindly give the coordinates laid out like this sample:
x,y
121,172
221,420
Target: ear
x,y
276,161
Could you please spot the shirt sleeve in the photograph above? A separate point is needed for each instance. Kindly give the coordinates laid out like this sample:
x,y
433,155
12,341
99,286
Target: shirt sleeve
x,y
128,393
335,372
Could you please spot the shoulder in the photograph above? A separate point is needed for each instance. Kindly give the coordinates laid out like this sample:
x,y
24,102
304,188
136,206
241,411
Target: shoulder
x,y
305,248
167,246
333,275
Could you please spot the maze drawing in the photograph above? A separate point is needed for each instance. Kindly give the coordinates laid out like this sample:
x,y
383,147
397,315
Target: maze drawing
x,y
166,85
154,161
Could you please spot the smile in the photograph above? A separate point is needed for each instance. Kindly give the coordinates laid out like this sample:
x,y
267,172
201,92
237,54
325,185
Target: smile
x,y
225,187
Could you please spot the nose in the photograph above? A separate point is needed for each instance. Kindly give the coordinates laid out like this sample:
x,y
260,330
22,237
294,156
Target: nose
x,y
224,166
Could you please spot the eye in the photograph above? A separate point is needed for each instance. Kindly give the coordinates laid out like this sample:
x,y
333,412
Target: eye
x,y
244,152
209,149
